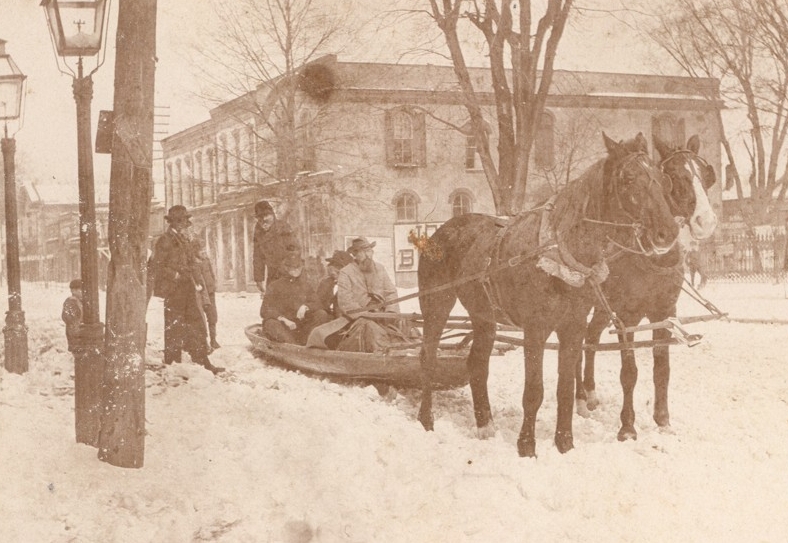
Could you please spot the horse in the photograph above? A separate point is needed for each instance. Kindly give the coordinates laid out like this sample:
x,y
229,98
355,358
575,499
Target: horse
x,y
649,286
534,271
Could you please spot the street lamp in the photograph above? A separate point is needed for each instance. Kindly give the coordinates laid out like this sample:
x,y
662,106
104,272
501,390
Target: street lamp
x,y
12,86
77,29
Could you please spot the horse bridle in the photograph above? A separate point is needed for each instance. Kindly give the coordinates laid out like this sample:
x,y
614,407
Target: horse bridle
x,y
636,225
692,165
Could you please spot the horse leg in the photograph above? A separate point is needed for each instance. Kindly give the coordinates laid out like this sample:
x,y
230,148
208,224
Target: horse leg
x,y
435,312
588,401
629,377
570,347
533,391
661,379
478,370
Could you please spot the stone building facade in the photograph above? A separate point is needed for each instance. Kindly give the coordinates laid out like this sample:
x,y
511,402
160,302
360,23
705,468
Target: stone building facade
x,y
381,150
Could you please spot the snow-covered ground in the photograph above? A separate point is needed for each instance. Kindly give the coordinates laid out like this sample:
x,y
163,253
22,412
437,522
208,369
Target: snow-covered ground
x,y
270,455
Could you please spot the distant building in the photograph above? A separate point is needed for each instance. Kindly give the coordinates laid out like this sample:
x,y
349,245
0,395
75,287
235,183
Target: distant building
x,y
48,232
381,150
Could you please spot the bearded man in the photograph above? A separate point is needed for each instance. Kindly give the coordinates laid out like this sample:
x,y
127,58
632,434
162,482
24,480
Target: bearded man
x,y
363,284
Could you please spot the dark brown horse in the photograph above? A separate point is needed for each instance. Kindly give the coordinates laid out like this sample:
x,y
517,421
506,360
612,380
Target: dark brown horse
x,y
648,286
501,271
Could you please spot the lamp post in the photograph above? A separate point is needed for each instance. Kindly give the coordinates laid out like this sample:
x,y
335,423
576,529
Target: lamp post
x,y
77,30
12,84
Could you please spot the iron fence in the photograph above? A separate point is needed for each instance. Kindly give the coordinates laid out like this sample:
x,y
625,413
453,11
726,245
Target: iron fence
x,y
745,256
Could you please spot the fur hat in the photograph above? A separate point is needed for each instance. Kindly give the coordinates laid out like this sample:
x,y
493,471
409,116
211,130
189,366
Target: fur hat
x,y
263,208
177,212
75,283
339,259
360,244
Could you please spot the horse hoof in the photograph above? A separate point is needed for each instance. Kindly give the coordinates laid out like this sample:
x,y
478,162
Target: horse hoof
x,y
592,401
582,409
627,434
486,432
564,443
662,420
427,422
526,449
666,429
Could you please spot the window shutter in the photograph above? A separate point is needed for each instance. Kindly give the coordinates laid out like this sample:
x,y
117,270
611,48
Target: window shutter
x,y
388,137
419,139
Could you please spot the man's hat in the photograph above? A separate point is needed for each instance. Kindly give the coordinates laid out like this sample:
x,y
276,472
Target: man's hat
x,y
292,262
360,244
339,259
263,208
177,213
75,283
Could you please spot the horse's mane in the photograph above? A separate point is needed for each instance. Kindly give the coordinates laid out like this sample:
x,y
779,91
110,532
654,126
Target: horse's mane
x,y
573,202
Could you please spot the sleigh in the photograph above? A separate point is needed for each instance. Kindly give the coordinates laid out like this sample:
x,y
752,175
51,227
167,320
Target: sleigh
x,y
398,366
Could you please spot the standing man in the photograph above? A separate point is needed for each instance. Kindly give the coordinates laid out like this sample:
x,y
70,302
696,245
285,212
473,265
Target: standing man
x,y
272,241
174,280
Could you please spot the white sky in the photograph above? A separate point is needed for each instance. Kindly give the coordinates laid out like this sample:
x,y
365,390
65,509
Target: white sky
x,y
46,145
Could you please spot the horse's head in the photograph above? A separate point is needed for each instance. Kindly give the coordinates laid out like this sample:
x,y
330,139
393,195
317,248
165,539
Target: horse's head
x,y
689,177
634,197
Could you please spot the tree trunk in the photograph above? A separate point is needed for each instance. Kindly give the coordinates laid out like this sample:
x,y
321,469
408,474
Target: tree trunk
x,y
122,437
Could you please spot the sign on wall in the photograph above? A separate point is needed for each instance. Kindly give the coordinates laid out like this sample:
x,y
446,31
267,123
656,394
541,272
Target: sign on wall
x,y
406,256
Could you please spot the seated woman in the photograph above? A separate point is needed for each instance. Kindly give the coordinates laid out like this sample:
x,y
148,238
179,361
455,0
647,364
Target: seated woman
x,y
290,308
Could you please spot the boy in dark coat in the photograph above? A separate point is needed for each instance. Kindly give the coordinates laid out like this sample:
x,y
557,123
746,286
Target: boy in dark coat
x,y
72,313
327,288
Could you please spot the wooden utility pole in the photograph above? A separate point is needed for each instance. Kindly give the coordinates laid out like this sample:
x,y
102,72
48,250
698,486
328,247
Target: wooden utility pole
x,y
122,436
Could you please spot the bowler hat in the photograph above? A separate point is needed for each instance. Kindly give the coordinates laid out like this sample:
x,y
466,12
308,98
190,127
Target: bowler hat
x,y
75,283
339,259
292,262
178,212
263,208
360,244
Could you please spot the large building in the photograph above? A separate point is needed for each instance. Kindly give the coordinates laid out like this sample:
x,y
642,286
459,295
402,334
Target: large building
x,y
380,150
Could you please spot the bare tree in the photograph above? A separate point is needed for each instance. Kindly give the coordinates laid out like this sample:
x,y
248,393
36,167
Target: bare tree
x,y
262,55
744,43
521,47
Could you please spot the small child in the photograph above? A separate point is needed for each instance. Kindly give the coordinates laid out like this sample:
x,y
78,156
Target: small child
x,y
72,313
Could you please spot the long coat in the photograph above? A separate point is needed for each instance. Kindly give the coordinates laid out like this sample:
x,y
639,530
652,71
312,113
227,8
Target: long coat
x,y
176,278
355,288
269,249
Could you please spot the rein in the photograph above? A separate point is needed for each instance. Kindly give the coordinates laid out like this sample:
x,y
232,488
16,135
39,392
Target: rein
x,y
637,227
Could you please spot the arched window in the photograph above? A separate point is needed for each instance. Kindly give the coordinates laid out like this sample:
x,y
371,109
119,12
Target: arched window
x,y
405,137
305,140
198,179
461,202
178,196
238,150
544,143
224,163
407,206
189,175
170,183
